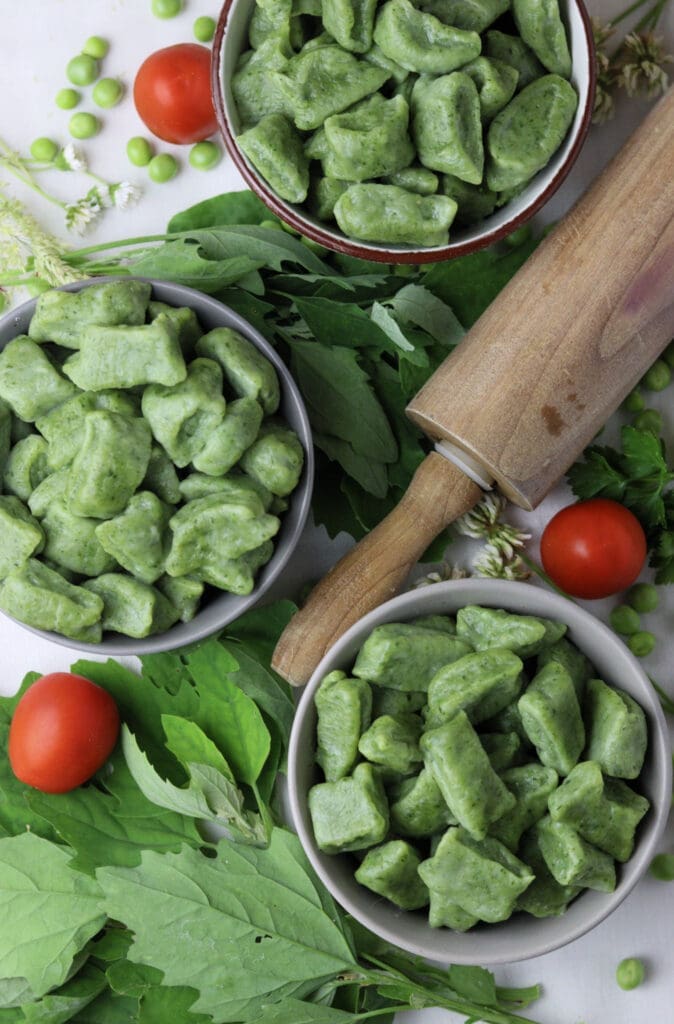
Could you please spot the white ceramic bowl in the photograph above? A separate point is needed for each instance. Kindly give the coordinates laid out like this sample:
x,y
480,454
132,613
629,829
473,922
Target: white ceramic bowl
x,y
521,936
231,40
218,607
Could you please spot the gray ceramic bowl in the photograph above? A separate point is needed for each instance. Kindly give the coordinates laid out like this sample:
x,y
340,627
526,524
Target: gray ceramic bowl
x,y
231,39
522,936
219,608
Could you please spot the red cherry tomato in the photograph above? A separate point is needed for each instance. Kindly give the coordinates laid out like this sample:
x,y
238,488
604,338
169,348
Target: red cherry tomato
x,y
172,93
63,730
593,549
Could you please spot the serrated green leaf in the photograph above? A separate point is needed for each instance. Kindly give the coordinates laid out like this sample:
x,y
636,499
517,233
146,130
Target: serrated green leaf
x,y
188,800
338,324
185,263
259,630
243,928
269,691
596,476
242,207
370,474
189,743
63,1004
16,813
296,1011
266,247
129,979
418,305
8,704
164,1005
54,909
113,822
474,983
388,323
109,1009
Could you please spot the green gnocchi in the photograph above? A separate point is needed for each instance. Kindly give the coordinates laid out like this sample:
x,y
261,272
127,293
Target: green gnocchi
x,y
142,462
476,768
396,119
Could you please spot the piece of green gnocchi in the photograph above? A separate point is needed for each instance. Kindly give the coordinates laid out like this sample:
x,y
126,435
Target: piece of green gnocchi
x,y
39,596
496,83
514,51
232,437
524,136
235,484
564,653
392,742
541,27
350,22
161,477
545,897
131,607
323,194
390,870
275,459
29,383
552,719
62,426
472,15
404,656
386,213
350,814
369,140
571,860
5,434
20,534
344,709
531,785
110,464
474,202
64,316
184,593
246,371
446,125
185,322
415,179
525,635
481,684
253,85
184,416
138,538
420,42
275,149
26,467
617,730
418,808
71,543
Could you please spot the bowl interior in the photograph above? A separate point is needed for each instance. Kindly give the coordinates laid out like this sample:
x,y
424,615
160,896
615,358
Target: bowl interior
x,y
231,40
522,936
221,607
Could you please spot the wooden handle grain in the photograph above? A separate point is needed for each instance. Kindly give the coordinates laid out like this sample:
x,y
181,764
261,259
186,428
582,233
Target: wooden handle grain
x,y
573,332
376,568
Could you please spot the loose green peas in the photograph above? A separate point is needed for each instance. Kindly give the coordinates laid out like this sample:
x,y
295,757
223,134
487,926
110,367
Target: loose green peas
x,y
662,867
625,620
96,47
634,402
649,419
658,377
204,155
204,29
162,168
82,70
630,973
66,99
139,151
107,92
641,643
84,126
43,149
166,8
643,597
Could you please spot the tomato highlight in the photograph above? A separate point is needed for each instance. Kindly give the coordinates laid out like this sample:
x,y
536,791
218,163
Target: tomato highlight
x,y
172,93
593,549
63,730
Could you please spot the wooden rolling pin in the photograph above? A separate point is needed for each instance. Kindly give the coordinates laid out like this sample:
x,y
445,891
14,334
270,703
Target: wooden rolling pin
x,y
531,383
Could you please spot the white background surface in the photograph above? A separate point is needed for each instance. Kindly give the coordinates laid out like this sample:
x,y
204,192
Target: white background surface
x,y
38,38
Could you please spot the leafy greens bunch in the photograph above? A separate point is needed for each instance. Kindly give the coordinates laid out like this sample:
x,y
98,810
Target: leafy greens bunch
x,y
360,337
126,906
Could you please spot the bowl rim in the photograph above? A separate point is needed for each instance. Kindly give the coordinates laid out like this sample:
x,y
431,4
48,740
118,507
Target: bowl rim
x,y
379,253
116,644
551,605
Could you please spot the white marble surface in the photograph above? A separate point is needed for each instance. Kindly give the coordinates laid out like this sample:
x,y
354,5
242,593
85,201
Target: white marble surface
x,y
38,38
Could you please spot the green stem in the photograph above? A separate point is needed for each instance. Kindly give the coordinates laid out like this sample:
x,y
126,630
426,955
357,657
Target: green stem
x,y
536,568
626,13
380,1012
519,996
123,243
665,699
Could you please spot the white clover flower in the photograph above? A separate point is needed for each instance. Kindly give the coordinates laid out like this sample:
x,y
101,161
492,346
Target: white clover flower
x,y
81,214
125,195
103,194
73,158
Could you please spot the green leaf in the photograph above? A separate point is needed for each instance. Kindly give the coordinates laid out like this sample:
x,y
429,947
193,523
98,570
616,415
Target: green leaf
x,y
190,743
259,630
339,394
62,1005
229,208
109,1009
265,247
186,263
369,473
129,979
250,307
335,324
16,814
470,283
244,928
112,822
112,944
164,1005
8,704
596,475
53,909
474,983
296,1011
329,504
390,326
417,305
269,691
229,716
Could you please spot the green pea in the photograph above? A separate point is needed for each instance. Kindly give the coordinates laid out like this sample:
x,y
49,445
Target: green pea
x,y
276,224
66,99
166,8
662,867
107,92
162,168
625,620
641,643
83,126
204,155
643,597
630,973
634,402
82,70
204,29
668,355
139,151
658,377
96,47
519,237
315,247
648,419
43,149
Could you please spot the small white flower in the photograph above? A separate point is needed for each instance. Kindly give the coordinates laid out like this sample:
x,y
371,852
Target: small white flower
x,y
73,158
125,195
102,194
81,214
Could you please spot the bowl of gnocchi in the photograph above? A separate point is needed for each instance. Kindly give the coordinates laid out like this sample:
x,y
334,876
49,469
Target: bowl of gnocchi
x,y
156,463
479,771
404,131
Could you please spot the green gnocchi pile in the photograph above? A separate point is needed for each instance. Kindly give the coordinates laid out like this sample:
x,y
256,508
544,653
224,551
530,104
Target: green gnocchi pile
x,y
141,460
399,119
476,767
